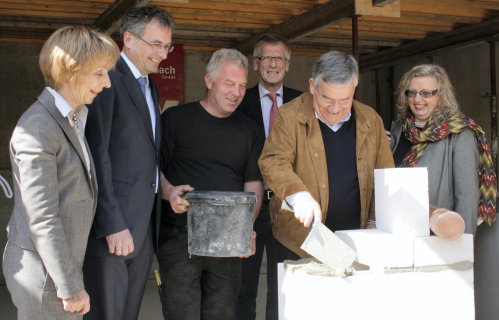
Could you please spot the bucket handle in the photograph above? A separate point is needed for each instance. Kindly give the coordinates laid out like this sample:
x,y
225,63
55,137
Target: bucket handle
x,y
222,202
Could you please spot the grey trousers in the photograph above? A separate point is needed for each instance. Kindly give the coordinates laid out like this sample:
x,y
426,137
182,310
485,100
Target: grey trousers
x,y
30,286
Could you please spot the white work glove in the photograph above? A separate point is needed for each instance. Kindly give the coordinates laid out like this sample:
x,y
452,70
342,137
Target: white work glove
x,y
305,208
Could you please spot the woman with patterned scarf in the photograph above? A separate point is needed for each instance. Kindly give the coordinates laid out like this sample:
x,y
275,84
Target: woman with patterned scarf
x,y
431,132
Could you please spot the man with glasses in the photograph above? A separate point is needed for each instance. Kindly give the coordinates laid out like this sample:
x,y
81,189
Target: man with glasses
x,y
123,132
320,158
271,58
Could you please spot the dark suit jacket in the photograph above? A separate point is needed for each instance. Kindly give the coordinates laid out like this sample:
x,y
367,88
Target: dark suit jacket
x,y
126,155
251,103
252,107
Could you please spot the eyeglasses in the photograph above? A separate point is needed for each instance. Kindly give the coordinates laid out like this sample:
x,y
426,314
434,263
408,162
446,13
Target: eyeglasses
x,y
332,102
423,94
268,59
157,46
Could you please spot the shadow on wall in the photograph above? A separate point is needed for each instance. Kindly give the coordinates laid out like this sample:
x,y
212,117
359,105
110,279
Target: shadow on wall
x,y
6,205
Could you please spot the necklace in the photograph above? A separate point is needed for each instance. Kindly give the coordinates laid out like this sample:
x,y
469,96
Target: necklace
x,y
419,124
74,119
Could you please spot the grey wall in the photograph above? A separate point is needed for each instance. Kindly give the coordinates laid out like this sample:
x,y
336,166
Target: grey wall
x,y
21,82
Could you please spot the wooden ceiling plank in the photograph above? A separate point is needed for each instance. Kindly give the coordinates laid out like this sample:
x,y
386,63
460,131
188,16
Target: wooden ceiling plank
x,y
231,18
430,23
296,4
364,25
46,13
422,8
49,8
251,25
392,34
456,37
309,22
65,3
228,7
488,5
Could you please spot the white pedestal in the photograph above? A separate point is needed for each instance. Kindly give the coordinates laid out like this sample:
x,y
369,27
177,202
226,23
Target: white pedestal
x,y
446,294
420,278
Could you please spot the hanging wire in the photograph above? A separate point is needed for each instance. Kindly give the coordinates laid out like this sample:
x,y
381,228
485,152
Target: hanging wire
x,y
6,187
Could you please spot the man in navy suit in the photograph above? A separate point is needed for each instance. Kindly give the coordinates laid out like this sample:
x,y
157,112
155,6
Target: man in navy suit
x,y
123,132
271,58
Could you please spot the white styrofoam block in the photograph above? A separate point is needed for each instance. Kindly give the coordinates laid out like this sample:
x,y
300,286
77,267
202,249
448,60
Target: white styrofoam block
x,y
446,294
402,201
377,248
433,251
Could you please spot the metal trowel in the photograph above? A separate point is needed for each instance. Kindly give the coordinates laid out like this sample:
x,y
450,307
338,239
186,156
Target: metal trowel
x,y
326,247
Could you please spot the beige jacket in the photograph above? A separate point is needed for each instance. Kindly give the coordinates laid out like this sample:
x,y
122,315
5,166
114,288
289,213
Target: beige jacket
x,y
293,160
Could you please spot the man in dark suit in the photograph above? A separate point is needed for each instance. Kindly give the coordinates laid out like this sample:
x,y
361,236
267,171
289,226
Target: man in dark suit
x,y
123,132
271,58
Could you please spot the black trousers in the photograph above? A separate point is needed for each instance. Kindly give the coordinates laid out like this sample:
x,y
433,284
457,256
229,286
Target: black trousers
x,y
246,309
279,254
116,284
196,287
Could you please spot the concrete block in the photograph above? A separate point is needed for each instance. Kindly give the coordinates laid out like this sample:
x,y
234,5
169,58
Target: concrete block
x,y
325,246
433,251
402,201
378,249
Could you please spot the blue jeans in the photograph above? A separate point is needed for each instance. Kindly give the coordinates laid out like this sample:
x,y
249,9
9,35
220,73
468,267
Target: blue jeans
x,y
196,287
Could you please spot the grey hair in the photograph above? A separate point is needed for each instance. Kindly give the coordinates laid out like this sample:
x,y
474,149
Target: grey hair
x,y
271,38
335,68
221,56
447,104
136,19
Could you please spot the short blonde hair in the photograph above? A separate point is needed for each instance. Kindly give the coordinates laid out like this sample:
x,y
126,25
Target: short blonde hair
x,y
447,104
73,50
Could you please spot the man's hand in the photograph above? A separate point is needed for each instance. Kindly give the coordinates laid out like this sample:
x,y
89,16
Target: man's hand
x,y
306,209
120,243
253,246
174,196
80,303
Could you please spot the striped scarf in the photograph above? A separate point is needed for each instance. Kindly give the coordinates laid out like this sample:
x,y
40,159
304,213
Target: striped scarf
x,y
434,132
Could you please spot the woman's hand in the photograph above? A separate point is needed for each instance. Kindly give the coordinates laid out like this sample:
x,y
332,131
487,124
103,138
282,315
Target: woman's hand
x,y
80,303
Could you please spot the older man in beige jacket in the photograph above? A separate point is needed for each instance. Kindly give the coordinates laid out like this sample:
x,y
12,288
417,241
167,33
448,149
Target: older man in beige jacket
x,y
320,160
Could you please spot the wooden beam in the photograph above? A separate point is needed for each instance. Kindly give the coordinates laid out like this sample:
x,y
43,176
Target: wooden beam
x,y
317,18
381,3
110,20
460,36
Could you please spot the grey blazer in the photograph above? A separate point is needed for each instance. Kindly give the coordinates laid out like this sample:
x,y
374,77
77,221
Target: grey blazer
x,y
452,173
55,197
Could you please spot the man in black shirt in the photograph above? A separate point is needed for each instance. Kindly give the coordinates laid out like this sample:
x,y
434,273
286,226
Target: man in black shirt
x,y
206,146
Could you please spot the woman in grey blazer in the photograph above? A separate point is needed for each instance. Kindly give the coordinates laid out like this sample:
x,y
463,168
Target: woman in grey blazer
x,y
54,179
430,131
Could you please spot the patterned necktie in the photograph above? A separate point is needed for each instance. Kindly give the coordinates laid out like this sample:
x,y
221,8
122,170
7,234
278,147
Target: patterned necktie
x,y
142,84
274,110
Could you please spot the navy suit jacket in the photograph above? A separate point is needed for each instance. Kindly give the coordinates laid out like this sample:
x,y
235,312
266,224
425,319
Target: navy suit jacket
x,y
120,136
252,107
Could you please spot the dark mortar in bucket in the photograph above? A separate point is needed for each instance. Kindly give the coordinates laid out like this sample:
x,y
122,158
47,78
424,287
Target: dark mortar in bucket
x,y
220,223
